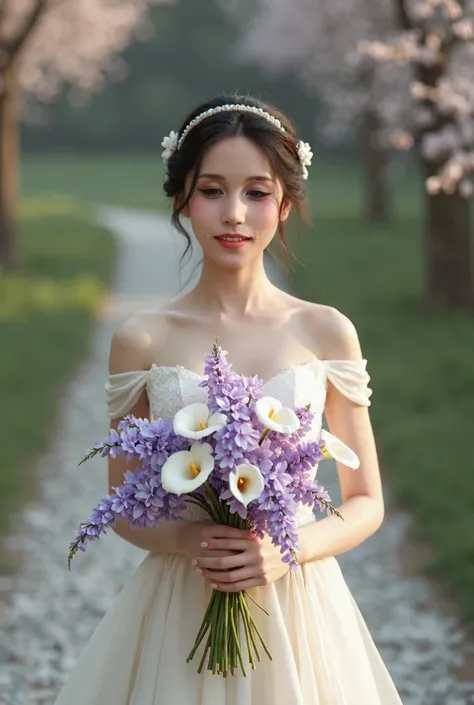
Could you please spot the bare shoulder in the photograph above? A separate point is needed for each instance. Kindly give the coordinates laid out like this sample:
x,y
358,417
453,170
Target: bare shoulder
x,y
135,342
334,334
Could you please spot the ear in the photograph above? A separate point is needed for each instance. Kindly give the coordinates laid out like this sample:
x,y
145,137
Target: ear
x,y
285,209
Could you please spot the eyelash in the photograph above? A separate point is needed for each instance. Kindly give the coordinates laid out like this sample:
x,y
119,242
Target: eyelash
x,y
213,192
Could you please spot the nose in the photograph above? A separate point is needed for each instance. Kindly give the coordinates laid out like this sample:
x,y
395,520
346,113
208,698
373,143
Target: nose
x,y
234,211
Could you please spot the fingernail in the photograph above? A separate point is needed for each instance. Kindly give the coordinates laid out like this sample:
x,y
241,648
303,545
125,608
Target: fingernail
x,y
204,544
213,586
198,570
194,562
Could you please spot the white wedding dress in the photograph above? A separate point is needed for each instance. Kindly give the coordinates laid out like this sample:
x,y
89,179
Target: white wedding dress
x,y
322,651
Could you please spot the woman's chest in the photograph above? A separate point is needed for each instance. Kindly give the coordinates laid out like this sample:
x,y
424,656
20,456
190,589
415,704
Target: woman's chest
x,y
171,388
252,349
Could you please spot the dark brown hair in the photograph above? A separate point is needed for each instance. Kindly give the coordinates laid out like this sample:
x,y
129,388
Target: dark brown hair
x,y
280,147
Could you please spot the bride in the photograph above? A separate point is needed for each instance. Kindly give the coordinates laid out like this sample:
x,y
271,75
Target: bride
x,y
235,170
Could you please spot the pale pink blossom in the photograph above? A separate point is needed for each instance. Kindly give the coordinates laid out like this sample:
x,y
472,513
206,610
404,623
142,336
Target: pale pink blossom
x,y
318,40
466,189
433,185
438,34
360,54
75,41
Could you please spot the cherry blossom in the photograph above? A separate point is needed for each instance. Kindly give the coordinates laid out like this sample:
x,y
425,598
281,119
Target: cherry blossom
x,y
436,38
73,41
318,40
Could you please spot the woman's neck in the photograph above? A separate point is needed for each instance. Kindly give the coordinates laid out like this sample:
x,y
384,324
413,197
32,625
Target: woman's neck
x,y
233,292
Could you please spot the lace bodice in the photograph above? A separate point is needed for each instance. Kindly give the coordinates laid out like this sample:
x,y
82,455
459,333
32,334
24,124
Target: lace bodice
x,y
171,388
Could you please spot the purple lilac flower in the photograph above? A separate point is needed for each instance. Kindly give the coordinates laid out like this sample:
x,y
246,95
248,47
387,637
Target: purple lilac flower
x,y
306,418
274,512
320,495
286,462
140,501
218,375
229,394
254,387
234,505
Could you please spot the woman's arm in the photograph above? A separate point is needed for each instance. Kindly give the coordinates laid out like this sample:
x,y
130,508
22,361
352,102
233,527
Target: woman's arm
x,y
362,506
362,499
130,351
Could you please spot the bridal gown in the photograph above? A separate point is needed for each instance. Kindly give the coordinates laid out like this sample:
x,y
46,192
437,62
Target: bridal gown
x,y
322,651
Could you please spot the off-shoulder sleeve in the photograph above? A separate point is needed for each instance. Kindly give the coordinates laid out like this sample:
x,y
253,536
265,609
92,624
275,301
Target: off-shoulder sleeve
x,y
350,377
123,391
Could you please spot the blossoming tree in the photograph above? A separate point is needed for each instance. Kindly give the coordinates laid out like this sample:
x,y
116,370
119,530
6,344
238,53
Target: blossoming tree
x,y
44,44
436,37
318,40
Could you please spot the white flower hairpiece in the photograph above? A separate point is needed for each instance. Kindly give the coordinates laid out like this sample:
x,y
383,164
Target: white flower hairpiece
x,y
170,145
173,142
306,155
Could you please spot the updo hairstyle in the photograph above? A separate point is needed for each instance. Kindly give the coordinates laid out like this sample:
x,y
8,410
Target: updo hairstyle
x,y
280,147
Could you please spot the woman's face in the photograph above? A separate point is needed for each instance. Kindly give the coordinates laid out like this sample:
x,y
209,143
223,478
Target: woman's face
x,y
235,209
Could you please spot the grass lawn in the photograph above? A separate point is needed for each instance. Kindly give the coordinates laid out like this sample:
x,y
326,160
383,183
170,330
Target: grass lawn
x,y
46,312
125,180
421,363
422,368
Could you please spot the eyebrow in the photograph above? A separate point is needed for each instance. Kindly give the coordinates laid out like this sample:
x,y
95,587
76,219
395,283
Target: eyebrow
x,y
222,178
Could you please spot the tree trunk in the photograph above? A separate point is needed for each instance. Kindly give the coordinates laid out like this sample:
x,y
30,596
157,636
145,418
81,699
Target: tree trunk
x,y
9,171
448,235
376,161
448,227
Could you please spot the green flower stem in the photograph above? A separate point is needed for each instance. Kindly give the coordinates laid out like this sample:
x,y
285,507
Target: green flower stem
x,y
199,640
248,636
247,594
216,650
224,614
214,501
252,627
210,508
212,650
236,634
262,640
206,622
227,618
196,498
225,638
219,638
329,507
201,665
207,509
232,643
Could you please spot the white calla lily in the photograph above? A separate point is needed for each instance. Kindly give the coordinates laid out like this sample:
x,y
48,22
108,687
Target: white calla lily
x,y
196,421
275,416
334,448
187,470
246,483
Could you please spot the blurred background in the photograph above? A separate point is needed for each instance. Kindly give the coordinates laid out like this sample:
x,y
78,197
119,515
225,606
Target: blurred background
x,y
89,89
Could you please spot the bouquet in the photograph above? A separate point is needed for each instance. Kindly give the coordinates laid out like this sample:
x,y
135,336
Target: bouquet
x,y
245,460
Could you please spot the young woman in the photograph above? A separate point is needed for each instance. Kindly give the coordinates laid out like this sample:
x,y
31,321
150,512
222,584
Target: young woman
x,y
235,170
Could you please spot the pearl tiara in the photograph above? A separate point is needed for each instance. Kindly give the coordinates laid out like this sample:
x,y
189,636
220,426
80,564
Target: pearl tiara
x,y
173,142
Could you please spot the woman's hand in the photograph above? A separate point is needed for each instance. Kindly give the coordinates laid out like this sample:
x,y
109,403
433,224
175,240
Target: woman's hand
x,y
195,538
250,562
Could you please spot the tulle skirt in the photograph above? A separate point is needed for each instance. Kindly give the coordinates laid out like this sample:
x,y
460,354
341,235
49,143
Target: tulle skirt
x,y
322,651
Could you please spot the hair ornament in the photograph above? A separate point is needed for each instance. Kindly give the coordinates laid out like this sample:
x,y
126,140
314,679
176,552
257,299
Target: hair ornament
x,y
173,142
305,155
